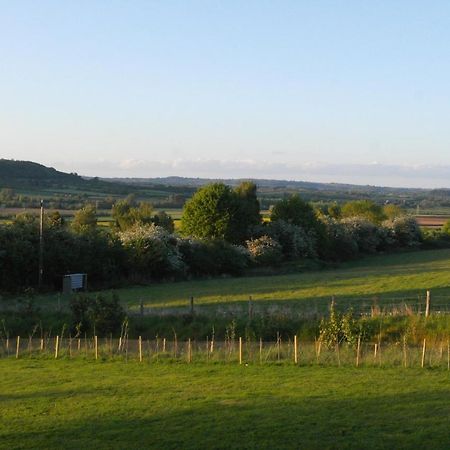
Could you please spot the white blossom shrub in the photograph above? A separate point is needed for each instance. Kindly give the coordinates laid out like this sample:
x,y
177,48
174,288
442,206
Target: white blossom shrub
x,y
152,250
265,250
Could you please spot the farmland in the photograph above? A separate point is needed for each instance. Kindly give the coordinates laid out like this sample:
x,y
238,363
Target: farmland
x,y
388,279
78,404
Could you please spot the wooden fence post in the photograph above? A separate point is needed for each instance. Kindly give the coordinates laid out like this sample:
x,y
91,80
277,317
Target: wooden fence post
x,y
240,350
278,346
164,345
140,348
7,346
295,350
423,352
319,348
260,350
56,347
427,306
448,354
405,360
189,351
358,349
17,347
338,354
96,347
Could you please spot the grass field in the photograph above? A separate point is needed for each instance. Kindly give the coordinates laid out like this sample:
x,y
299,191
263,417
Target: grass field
x,y
80,404
392,279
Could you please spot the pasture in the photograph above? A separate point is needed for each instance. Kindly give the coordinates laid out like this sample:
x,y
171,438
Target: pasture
x,y
387,280
74,404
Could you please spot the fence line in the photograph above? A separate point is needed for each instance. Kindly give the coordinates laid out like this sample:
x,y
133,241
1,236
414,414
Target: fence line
x,y
428,353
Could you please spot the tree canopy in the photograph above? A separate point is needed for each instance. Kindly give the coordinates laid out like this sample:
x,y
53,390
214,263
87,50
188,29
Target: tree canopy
x,y
218,212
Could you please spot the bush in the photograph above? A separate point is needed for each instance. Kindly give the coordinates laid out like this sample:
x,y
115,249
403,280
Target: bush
x,y
365,234
404,231
152,251
214,257
340,244
101,315
265,250
294,240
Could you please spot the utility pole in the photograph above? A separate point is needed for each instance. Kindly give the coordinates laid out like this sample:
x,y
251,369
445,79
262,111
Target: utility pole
x,y
41,245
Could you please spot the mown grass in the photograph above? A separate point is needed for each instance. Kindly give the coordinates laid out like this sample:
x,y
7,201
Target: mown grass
x,y
388,278
82,404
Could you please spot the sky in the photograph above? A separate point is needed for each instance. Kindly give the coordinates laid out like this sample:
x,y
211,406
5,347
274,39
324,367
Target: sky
x,y
341,91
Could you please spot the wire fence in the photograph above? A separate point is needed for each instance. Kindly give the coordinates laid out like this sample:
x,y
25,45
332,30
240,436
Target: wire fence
x,y
429,353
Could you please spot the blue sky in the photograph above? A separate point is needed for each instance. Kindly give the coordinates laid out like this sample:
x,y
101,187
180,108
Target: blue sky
x,y
319,90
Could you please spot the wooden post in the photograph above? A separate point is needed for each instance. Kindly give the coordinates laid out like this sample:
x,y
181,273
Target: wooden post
x,y
17,347
41,347
427,306
56,347
212,345
338,354
7,346
260,350
295,350
189,351
405,362
358,349
164,345
448,354
319,348
240,350
140,348
119,348
375,348
423,352
278,346
96,347
78,344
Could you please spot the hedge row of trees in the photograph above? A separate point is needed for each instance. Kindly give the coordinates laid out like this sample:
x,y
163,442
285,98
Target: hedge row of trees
x,y
222,232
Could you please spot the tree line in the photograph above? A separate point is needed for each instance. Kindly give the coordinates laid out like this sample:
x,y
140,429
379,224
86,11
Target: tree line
x,y
222,232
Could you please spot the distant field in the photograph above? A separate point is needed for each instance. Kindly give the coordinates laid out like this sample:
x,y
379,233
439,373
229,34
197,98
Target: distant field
x,y
386,279
430,221
113,405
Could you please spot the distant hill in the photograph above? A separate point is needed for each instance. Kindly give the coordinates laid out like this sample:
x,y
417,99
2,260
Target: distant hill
x,y
33,176
172,191
26,173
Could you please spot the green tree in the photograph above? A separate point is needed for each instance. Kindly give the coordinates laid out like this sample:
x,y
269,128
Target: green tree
x,y
85,219
211,213
126,213
218,212
392,211
296,211
248,213
365,209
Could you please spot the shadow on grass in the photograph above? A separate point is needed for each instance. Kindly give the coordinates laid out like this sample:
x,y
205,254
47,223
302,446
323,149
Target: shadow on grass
x,y
413,420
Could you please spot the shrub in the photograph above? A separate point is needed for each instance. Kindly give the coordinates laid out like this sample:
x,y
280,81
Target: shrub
x,y
265,250
152,250
404,231
365,234
213,257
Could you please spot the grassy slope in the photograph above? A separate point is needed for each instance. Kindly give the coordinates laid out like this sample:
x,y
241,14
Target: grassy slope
x,y
79,404
395,276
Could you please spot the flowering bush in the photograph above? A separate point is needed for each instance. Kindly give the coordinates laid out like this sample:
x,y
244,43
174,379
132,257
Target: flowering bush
x,y
152,250
265,250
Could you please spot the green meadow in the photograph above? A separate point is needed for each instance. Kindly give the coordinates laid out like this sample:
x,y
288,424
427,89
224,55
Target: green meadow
x,y
393,279
73,404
